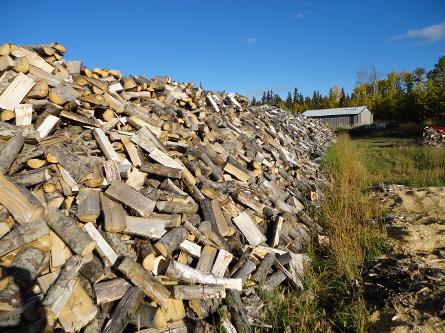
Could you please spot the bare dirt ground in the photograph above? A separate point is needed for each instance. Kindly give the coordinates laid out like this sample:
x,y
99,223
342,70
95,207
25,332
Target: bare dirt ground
x,y
405,290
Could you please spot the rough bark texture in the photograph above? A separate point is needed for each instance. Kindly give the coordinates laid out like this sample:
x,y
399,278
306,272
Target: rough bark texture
x,y
71,233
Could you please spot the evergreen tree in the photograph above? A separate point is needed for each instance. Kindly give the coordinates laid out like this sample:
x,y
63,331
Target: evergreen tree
x,y
343,102
289,101
296,96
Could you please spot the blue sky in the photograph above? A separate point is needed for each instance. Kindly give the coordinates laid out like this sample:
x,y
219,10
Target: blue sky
x,y
243,46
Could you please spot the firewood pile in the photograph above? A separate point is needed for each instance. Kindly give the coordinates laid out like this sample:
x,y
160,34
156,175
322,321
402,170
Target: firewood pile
x,y
433,137
145,204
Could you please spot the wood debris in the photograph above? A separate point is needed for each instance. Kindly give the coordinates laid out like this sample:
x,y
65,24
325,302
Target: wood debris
x,y
144,202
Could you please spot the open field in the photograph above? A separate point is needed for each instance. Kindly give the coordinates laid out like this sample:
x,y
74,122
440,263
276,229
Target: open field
x,y
401,161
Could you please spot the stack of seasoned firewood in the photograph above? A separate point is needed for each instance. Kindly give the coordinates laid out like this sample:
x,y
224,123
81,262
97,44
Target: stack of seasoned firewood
x,y
433,136
145,204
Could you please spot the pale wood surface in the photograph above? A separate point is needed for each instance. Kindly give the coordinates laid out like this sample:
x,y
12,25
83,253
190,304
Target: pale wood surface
x,y
13,95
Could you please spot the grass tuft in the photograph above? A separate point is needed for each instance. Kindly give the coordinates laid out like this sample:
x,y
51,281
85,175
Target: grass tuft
x,y
332,300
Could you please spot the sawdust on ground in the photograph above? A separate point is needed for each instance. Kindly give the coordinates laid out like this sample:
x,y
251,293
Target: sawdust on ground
x,y
405,289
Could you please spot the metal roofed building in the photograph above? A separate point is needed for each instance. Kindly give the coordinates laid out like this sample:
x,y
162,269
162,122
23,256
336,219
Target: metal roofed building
x,y
342,117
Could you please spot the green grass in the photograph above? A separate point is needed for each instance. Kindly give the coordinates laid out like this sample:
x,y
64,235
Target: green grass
x,y
401,161
332,300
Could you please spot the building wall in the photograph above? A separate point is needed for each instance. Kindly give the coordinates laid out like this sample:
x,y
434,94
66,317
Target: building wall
x,y
337,121
363,118
366,117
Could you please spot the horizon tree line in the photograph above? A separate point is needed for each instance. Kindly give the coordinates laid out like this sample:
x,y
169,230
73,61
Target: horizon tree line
x,y
402,96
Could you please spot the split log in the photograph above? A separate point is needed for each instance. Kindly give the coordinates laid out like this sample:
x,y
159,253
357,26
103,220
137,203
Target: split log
x,y
136,179
213,103
21,235
274,280
116,104
178,326
249,229
73,67
111,290
212,212
264,267
23,114
177,207
20,202
292,278
144,280
63,94
60,291
236,169
250,202
102,246
39,74
114,214
72,234
9,151
278,225
78,311
192,276
143,227
77,167
124,169
205,262
6,63
204,292
88,206
132,152
112,172
59,251
161,170
206,229
127,195
144,316
126,307
66,177
200,238
105,145
222,262
191,248
13,95
156,221
246,269
79,119
171,241
47,126
35,163
174,310
159,156
40,90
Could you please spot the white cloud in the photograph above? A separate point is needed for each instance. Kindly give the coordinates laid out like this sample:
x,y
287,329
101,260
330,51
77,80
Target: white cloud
x,y
251,40
432,33
303,14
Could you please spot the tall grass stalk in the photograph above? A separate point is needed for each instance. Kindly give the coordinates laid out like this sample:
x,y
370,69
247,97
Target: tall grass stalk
x,y
332,300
